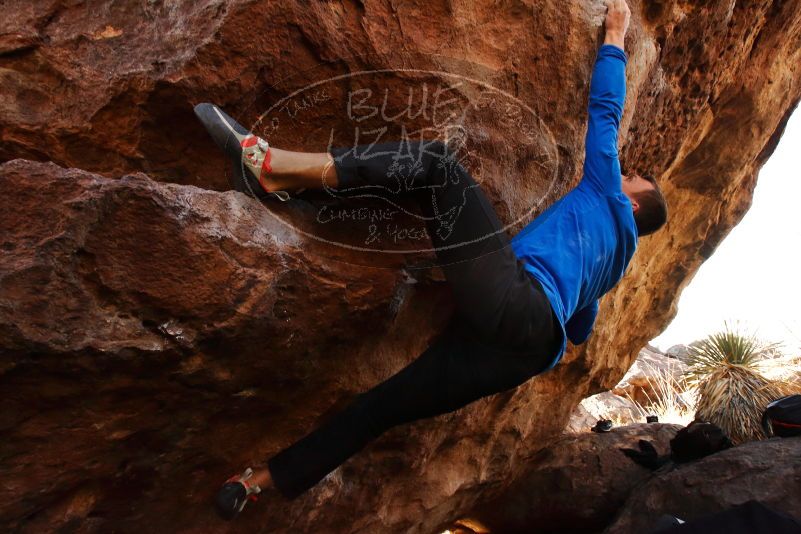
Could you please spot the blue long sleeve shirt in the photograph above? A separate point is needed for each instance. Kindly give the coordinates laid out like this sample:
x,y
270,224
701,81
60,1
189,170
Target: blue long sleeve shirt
x,y
580,246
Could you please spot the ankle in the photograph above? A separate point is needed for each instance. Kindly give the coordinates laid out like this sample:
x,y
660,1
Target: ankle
x,y
261,477
281,163
282,175
299,170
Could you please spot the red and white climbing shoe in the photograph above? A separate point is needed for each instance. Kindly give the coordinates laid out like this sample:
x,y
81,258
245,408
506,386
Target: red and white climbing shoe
x,y
235,493
249,153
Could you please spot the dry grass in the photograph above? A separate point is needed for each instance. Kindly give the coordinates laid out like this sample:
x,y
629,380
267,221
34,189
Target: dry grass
x,y
672,401
785,369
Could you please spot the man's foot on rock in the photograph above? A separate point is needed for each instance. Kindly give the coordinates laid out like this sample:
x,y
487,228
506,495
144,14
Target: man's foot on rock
x,y
249,153
235,493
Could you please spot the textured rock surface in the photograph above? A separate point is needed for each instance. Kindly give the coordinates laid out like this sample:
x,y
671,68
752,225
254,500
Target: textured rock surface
x,y
679,352
766,471
149,329
576,485
146,329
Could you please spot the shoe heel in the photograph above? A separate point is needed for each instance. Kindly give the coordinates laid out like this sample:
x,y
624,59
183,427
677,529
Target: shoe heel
x,y
234,495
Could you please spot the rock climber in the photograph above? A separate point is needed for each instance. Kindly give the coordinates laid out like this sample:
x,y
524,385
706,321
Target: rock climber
x,y
516,301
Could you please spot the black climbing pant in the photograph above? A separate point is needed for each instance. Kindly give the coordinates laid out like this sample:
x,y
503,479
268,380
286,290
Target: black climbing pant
x,y
503,330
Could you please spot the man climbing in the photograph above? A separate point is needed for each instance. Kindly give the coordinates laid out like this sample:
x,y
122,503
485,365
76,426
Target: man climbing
x,y
516,302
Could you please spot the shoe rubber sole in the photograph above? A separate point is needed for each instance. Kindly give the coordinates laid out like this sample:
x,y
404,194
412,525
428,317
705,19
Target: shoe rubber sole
x,y
230,500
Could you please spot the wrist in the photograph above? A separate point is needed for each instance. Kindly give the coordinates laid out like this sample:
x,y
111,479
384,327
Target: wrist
x,y
615,37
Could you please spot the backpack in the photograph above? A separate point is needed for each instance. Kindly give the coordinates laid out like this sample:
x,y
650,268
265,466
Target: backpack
x,y
783,416
697,440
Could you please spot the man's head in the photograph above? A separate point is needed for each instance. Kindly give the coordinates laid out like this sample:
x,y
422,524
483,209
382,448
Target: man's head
x,y
647,202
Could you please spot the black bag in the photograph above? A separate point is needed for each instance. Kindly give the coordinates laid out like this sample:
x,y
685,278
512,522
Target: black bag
x,y
697,440
783,416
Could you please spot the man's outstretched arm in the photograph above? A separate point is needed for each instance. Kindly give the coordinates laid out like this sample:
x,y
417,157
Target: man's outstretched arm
x,y
607,96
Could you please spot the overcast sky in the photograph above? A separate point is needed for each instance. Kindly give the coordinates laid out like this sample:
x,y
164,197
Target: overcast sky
x,y
754,276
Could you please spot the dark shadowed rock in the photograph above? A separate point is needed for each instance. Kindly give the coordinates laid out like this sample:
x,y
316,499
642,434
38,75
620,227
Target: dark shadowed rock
x,y
766,471
576,485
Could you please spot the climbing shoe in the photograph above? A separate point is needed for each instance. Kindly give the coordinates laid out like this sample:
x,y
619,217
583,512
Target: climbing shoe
x,y
603,425
250,154
235,493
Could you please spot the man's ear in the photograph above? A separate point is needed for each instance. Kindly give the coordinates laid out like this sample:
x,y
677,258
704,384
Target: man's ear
x,y
635,206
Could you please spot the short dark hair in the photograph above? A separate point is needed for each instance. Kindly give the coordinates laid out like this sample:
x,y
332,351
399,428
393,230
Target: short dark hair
x,y
652,214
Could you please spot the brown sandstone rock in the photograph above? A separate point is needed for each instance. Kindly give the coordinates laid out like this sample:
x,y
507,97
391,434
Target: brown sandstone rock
x,y
766,471
154,337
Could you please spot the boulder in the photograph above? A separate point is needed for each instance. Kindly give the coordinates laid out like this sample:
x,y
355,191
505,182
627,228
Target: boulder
x,y
576,485
606,405
158,333
679,352
767,471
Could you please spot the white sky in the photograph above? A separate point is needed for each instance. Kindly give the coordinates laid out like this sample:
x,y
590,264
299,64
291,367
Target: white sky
x,y
752,279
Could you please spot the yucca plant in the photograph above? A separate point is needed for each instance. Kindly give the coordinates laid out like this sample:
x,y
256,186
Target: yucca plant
x,y
732,393
734,398
728,347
